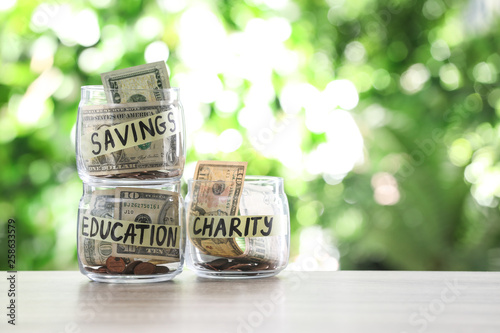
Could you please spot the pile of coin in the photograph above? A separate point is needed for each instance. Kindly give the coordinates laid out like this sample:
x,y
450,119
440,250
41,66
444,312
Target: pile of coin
x,y
143,175
237,265
117,265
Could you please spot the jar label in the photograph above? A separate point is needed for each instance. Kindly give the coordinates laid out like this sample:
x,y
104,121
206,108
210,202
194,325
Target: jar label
x,y
104,136
237,226
129,233
112,213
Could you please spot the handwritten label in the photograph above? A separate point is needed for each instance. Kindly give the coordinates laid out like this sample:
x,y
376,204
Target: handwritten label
x,y
108,139
237,226
129,233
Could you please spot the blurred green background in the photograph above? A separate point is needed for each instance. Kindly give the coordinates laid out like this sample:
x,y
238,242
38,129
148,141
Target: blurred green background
x,y
382,116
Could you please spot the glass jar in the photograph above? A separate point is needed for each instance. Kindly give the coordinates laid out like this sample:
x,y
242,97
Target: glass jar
x,y
131,233
139,138
248,241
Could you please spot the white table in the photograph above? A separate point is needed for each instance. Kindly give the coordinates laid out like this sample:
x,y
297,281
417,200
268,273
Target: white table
x,y
345,301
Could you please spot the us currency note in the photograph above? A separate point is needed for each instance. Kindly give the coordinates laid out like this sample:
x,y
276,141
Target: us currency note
x,y
94,252
220,195
140,84
147,206
136,84
159,155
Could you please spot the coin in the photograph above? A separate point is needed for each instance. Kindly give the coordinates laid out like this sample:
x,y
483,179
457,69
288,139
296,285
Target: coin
x,y
239,264
207,266
260,267
101,269
218,263
161,270
243,267
130,267
143,175
115,265
144,268
90,269
227,265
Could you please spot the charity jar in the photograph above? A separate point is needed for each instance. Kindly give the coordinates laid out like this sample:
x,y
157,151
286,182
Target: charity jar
x,y
130,134
237,229
132,233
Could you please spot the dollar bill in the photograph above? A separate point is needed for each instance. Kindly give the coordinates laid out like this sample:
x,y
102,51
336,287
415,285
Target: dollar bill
x,y
94,252
147,206
220,195
136,84
164,155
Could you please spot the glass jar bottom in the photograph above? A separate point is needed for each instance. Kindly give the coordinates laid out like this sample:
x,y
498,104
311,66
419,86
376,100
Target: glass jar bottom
x,y
236,275
120,278
127,179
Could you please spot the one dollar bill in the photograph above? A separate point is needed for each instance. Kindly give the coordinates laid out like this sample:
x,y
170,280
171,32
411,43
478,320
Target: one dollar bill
x,y
136,84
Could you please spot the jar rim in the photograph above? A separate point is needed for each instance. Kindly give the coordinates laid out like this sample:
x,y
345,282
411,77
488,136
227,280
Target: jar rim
x,y
101,88
248,178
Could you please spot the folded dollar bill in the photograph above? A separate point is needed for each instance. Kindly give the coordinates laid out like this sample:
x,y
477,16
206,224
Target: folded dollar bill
x,y
136,84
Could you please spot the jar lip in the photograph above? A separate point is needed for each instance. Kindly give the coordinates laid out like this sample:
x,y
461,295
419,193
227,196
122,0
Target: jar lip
x,y
101,88
248,178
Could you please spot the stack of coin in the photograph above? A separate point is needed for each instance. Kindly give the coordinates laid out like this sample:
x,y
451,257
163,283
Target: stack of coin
x,y
116,265
237,265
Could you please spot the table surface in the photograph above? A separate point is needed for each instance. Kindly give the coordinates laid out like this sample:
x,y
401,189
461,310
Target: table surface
x,y
344,301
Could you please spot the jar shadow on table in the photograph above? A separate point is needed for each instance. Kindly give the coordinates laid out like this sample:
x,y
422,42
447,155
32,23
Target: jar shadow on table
x,y
273,280
245,305
125,303
252,290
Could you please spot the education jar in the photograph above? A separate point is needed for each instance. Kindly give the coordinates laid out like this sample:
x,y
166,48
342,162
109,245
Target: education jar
x,y
132,233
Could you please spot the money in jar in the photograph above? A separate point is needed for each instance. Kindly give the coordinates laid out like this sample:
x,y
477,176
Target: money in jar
x,y
132,233
237,226
131,128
